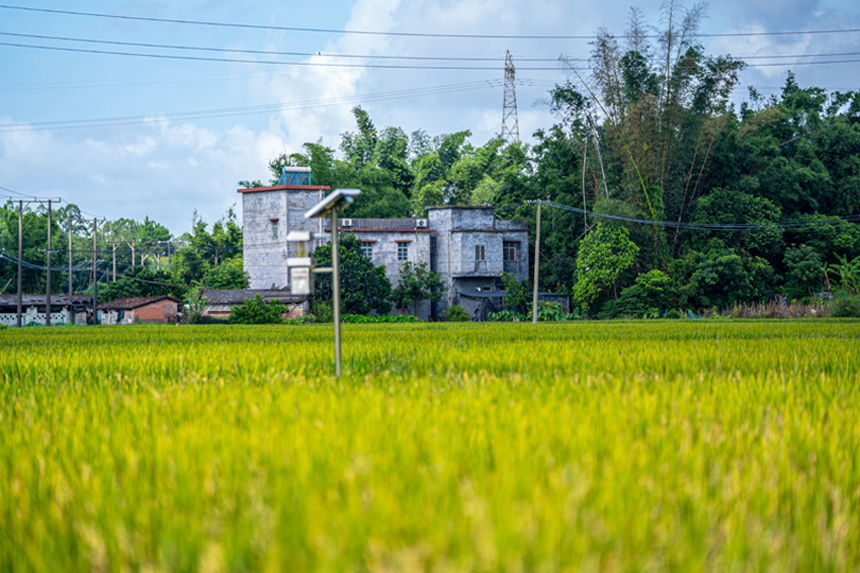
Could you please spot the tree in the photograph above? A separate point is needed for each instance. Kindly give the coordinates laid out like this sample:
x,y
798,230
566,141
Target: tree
x,y
805,272
604,254
228,276
653,291
417,283
257,311
139,282
364,288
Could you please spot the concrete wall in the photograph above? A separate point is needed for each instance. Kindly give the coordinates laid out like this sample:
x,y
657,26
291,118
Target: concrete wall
x,y
30,314
265,258
458,231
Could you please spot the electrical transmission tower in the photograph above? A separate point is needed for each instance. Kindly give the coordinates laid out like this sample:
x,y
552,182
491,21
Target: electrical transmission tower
x,y
510,124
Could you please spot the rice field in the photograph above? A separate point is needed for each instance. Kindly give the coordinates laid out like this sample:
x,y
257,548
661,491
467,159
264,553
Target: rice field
x,y
638,446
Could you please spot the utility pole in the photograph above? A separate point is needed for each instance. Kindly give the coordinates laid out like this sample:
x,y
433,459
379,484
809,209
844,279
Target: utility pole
x,y
48,278
113,251
537,260
584,206
21,202
131,244
510,124
95,273
70,264
20,257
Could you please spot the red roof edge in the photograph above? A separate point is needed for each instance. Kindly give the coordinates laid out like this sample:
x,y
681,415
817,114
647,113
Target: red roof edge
x,y
285,188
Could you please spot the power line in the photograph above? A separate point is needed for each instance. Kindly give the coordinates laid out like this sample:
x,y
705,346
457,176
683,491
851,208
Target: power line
x,y
250,110
731,227
359,56
396,34
259,62
270,52
358,66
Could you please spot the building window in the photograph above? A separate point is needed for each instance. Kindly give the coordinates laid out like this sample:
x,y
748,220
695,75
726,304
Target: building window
x,y
511,251
480,253
274,230
402,252
367,249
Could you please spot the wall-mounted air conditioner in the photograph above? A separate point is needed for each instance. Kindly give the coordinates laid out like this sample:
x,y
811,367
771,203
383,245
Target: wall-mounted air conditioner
x,y
346,222
421,223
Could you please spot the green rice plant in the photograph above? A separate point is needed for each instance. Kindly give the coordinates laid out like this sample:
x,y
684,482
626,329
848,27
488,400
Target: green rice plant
x,y
621,446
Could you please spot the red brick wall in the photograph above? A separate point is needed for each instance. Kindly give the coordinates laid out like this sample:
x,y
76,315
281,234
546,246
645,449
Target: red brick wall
x,y
160,311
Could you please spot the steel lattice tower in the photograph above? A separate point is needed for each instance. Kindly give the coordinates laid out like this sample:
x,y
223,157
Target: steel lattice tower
x,y
510,124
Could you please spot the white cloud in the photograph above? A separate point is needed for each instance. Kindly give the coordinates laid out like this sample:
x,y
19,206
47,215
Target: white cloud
x,y
158,169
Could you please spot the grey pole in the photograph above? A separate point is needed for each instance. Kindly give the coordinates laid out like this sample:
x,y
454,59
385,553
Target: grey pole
x,y
20,256
95,273
335,265
113,251
70,266
48,279
537,260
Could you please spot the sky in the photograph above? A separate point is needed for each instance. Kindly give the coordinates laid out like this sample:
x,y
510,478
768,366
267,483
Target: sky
x,y
121,135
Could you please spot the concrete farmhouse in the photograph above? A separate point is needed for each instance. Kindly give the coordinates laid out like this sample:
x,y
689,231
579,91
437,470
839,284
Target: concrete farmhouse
x,y
467,245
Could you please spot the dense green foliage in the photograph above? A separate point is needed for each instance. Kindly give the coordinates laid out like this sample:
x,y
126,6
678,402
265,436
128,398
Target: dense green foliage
x,y
417,282
142,281
145,253
364,288
257,311
456,313
676,446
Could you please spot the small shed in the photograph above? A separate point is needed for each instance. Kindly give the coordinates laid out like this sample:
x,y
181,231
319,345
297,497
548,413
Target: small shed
x,y
153,309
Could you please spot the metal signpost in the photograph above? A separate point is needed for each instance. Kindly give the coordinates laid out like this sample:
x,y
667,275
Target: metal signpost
x,y
302,267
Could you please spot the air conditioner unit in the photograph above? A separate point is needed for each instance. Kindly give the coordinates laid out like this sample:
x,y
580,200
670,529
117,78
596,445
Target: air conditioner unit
x,y
346,222
421,223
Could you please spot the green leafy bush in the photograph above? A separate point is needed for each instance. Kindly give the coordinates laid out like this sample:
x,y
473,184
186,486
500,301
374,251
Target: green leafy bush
x,y
844,305
652,294
257,311
321,311
456,313
364,287
507,316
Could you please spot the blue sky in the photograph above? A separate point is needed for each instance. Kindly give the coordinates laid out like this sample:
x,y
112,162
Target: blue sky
x,y
165,165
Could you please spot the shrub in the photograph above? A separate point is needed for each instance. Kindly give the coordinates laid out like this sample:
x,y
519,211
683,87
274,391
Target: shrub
x,y
456,313
845,306
322,311
257,311
652,293
507,316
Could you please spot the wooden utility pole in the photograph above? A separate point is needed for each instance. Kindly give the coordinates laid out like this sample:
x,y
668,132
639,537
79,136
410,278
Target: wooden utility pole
x,y
131,244
21,202
537,260
48,278
113,251
70,264
20,257
95,272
